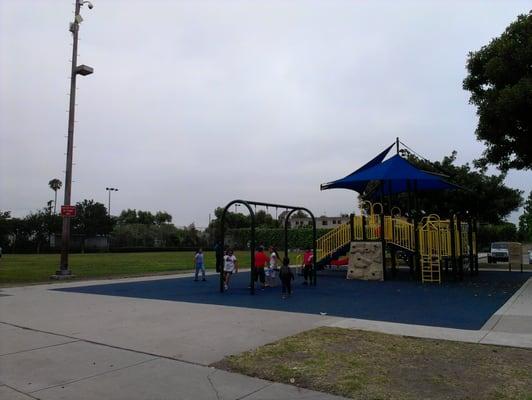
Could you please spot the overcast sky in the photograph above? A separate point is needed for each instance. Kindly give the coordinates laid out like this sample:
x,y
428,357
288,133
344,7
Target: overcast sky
x,y
195,103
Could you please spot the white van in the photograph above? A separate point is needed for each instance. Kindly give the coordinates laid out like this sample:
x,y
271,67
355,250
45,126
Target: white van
x,y
498,252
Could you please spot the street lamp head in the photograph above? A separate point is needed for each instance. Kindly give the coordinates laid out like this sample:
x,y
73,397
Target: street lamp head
x,y
89,4
84,70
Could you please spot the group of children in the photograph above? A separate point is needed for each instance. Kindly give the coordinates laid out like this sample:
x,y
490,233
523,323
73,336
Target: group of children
x,y
266,268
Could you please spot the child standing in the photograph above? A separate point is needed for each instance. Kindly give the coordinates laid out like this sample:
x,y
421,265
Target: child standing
x,y
287,276
272,270
230,267
307,266
199,264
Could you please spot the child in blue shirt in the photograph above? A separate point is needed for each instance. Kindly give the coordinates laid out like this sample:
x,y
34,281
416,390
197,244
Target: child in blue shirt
x,y
199,264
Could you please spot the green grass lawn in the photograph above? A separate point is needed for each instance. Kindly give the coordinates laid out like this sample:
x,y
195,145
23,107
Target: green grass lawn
x,y
369,365
35,268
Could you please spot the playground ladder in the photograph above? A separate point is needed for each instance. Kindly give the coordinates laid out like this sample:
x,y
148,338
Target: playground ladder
x,y
430,268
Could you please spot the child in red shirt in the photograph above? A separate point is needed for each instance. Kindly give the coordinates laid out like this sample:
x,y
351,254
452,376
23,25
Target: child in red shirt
x,y
261,260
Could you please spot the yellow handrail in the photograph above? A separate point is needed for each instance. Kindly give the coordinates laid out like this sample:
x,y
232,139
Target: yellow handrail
x,y
333,240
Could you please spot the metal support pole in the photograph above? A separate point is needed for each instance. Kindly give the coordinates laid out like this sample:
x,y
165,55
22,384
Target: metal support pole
x,y
314,252
352,226
253,273
393,252
417,255
453,246
109,203
222,245
476,245
460,249
65,236
470,245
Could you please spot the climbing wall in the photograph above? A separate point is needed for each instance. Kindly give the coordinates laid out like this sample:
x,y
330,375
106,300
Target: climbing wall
x,y
365,261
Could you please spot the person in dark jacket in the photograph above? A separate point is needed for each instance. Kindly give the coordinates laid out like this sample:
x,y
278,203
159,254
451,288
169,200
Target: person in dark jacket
x,y
287,276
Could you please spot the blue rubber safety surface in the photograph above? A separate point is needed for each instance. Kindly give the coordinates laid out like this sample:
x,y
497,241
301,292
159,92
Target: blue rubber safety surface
x,y
464,305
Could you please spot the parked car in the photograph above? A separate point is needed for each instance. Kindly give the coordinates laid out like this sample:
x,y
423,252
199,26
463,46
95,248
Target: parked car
x,y
498,252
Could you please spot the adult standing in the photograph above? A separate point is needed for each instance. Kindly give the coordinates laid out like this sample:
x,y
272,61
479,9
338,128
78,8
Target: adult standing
x,y
308,258
261,261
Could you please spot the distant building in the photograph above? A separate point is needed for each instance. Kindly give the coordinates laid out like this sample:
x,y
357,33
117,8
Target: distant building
x,y
321,222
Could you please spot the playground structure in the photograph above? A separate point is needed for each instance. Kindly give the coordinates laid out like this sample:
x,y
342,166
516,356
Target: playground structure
x,y
430,243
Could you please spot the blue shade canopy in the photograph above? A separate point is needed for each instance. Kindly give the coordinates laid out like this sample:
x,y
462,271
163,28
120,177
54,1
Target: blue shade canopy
x,y
396,174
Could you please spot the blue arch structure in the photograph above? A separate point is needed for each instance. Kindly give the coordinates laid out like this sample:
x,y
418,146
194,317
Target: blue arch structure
x,y
248,204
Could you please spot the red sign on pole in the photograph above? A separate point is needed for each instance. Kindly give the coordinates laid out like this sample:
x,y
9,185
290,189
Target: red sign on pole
x,y
68,211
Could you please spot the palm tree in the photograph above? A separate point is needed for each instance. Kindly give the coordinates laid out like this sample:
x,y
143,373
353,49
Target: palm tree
x,y
55,184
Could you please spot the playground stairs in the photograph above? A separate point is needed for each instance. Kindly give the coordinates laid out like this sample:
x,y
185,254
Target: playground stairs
x,y
335,255
430,269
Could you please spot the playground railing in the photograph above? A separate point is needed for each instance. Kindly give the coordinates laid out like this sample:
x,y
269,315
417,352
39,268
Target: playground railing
x,y
388,228
444,234
373,227
358,227
433,237
402,233
333,240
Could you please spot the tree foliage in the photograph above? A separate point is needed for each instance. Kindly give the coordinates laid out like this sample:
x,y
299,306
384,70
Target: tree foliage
x,y
500,81
91,219
55,184
130,216
525,221
297,238
29,233
156,235
484,196
488,233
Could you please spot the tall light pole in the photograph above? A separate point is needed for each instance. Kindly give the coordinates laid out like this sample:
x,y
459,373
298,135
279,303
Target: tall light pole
x,y
64,270
110,189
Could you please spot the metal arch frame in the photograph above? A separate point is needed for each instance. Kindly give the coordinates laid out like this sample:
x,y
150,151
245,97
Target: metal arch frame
x,y
287,217
247,204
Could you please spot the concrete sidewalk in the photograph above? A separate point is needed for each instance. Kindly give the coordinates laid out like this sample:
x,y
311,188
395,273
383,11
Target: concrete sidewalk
x,y
38,365
64,345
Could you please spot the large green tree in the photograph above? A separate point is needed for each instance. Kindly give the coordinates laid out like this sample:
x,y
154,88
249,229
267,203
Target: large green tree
x,y
500,81
525,221
91,219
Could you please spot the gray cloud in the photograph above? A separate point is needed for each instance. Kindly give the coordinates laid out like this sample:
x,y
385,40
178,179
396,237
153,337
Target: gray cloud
x,y
194,103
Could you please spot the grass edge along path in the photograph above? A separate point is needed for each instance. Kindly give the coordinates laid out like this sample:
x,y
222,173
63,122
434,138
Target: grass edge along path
x,y
22,269
370,365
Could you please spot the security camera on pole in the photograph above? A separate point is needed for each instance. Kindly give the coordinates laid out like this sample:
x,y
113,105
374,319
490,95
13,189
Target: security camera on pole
x,y
67,210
